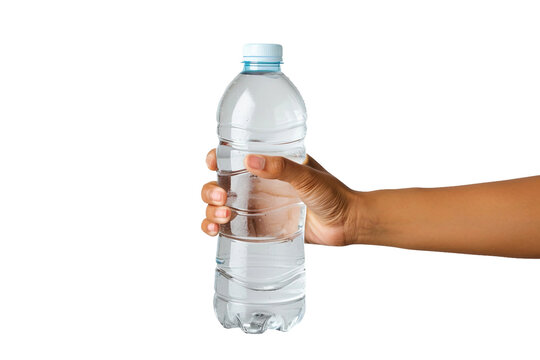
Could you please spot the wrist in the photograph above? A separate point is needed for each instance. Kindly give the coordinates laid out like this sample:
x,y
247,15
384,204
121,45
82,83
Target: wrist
x,y
363,225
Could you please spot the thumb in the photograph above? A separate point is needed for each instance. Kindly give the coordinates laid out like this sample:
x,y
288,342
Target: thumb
x,y
320,191
280,168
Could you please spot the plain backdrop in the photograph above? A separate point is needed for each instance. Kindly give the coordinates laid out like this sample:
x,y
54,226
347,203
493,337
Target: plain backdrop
x,y
107,111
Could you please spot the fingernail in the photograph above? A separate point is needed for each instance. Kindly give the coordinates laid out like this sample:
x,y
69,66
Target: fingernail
x,y
217,196
212,227
255,162
221,213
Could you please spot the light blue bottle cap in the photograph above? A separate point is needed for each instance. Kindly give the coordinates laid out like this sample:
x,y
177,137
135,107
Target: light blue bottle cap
x,y
263,52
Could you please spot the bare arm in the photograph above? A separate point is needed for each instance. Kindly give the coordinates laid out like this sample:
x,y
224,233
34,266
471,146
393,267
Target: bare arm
x,y
498,218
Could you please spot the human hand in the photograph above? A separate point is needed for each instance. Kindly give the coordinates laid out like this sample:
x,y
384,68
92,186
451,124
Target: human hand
x,y
333,210
432,219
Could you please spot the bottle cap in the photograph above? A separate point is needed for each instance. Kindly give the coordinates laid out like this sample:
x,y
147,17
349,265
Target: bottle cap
x,y
263,52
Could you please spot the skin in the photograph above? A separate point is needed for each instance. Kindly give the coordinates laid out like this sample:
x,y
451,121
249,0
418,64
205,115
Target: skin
x,y
498,218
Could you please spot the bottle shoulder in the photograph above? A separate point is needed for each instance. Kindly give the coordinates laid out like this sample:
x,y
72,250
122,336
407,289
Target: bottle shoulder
x,y
261,99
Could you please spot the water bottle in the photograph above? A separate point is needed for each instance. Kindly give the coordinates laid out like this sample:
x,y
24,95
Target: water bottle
x,y
260,276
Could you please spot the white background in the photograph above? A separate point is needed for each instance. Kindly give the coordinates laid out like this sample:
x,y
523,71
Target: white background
x,y
107,110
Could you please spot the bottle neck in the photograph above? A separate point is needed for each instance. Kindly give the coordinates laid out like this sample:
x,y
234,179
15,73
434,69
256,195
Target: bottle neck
x,y
251,66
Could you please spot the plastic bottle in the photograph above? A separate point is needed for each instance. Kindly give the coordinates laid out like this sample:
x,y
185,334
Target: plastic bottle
x,y
260,274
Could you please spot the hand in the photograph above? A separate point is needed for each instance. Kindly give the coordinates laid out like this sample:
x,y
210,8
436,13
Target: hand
x,y
333,209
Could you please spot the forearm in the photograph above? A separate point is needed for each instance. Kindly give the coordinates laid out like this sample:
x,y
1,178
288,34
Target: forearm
x,y
499,218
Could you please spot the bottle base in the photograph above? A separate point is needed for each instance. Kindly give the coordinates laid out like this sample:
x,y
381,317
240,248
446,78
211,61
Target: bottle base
x,y
257,318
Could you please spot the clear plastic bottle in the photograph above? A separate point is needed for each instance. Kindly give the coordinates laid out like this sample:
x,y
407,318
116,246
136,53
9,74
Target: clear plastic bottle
x,y
260,274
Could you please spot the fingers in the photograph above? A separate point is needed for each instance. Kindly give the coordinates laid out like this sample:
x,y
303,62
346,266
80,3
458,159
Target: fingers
x,y
215,215
218,214
212,194
209,227
215,197
211,160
